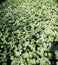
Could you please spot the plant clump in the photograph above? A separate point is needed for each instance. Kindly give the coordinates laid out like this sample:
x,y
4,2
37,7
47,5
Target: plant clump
x,y
28,29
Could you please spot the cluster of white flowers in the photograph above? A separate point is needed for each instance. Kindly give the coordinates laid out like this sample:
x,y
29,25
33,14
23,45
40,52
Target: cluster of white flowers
x,y
27,31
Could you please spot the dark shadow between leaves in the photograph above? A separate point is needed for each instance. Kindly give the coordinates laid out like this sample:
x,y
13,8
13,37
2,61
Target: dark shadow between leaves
x,y
1,1
54,48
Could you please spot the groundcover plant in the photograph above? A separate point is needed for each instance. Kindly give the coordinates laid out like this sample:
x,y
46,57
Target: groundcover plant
x,y
29,32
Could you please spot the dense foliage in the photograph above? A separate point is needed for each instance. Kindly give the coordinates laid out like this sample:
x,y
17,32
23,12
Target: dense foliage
x,y
28,30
